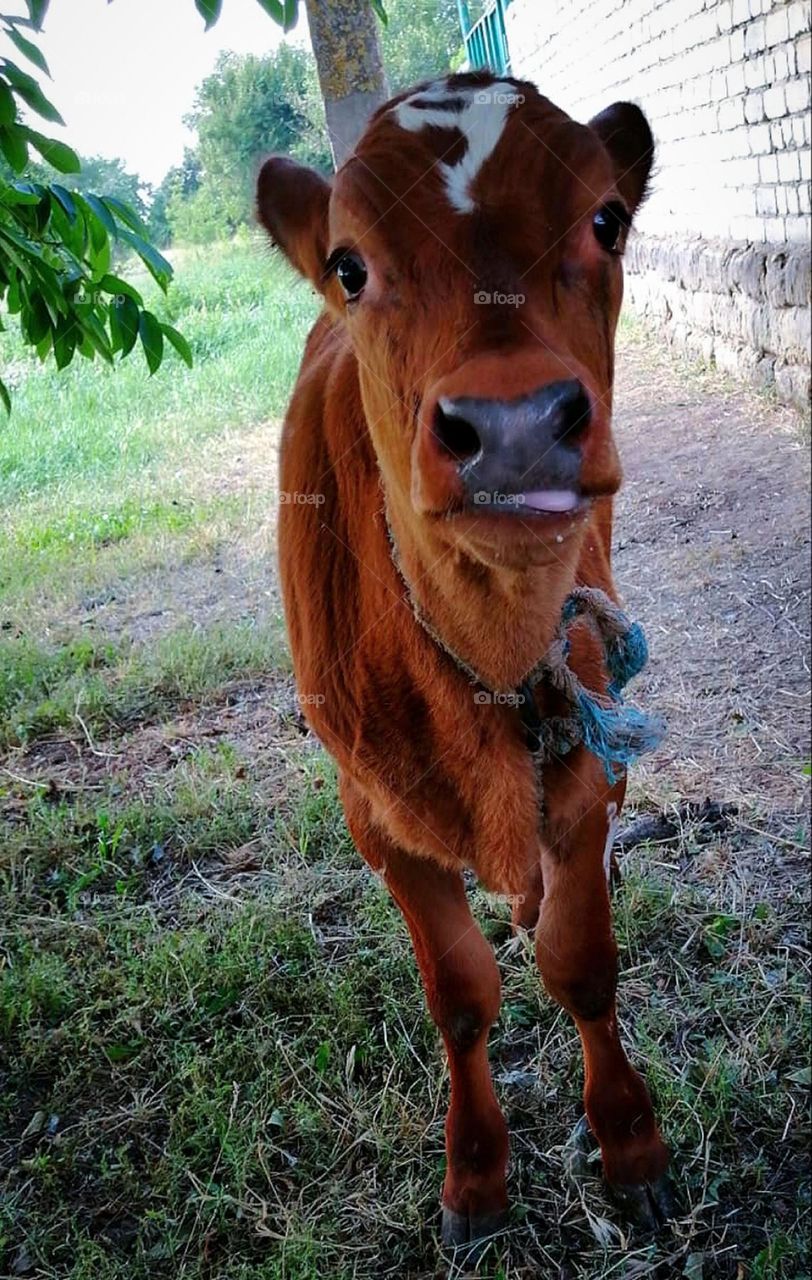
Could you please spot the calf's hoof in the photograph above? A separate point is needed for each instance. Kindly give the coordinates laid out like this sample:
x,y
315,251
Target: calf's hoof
x,y
647,1206
471,1231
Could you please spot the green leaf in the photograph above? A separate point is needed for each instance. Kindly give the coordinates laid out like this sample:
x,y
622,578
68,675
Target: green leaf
x,y
124,318
72,234
28,89
13,147
99,250
20,261
58,154
8,107
179,343
65,340
209,11
36,320
275,9
379,11
124,1052
127,215
155,262
117,286
291,14
99,239
18,193
102,213
95,334
65,199
37,10
28,50
152,340
4,396
802,1076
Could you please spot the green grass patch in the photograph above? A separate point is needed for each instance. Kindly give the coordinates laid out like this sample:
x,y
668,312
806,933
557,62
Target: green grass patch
x,y
246,319
205,1070
110,687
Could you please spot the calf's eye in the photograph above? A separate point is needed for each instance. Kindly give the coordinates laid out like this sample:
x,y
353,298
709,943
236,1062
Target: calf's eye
x,y
352,274
609,224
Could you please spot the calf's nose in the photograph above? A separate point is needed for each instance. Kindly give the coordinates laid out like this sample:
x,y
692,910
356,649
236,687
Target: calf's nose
x,y
527,449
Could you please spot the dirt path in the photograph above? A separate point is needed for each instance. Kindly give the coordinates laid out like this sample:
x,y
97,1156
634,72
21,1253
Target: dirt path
x,y
713,553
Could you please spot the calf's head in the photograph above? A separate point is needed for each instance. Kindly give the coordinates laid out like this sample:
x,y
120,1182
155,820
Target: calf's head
x,y
470,249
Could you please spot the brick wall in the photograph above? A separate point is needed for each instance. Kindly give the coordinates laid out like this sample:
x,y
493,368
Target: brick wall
x,y
722,258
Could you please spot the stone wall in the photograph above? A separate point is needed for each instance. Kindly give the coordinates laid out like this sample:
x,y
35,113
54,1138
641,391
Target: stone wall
x,y
721,258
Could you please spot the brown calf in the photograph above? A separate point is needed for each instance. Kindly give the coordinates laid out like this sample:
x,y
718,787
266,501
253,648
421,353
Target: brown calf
x,y
453,414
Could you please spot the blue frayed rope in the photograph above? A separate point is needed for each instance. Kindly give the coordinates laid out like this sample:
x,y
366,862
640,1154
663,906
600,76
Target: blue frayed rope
x,y
614,732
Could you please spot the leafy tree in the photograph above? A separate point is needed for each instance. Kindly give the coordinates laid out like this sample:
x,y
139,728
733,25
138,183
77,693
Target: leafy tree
x,y
252,105
247,107
420,40
179,184
56,243
98,173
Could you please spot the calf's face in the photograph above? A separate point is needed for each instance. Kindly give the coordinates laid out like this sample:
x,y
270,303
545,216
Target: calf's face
x,y
470,250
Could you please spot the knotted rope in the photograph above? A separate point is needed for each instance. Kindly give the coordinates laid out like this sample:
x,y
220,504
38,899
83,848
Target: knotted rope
x,y
613,731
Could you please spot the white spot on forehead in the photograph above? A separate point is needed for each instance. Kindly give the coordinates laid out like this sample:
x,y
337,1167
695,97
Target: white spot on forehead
x,y
480,112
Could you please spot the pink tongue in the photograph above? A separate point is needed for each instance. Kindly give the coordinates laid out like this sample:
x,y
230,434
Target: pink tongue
x,y
550,499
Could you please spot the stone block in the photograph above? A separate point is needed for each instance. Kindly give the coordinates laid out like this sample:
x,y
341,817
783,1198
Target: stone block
x,y
755,38
776,28
792,385
775,102
797,230
798,17
797,95
789,166
766,203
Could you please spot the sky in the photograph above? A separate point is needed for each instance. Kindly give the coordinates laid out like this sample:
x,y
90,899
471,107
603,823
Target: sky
x,y
124,73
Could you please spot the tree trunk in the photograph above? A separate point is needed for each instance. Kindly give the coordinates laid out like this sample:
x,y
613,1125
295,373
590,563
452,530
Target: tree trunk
x,y
344,35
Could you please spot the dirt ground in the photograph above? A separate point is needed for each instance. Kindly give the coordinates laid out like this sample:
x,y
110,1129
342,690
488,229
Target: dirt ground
x,y
713,554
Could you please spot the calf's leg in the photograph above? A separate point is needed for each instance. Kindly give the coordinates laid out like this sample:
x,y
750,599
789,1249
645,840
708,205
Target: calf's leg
x,y
463,992
577,958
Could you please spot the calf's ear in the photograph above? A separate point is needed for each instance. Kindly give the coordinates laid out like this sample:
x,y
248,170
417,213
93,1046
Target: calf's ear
x,y
292,205
625,132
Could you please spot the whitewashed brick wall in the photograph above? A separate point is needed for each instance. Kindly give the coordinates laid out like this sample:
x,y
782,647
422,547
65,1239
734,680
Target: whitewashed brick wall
x,y
726,87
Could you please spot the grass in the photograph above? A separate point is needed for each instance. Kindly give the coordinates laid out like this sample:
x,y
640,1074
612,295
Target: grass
x,y
245,322
64,489
105,686
215,1059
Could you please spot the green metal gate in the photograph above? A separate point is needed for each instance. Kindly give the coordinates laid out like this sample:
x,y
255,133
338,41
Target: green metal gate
x,y
486,37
